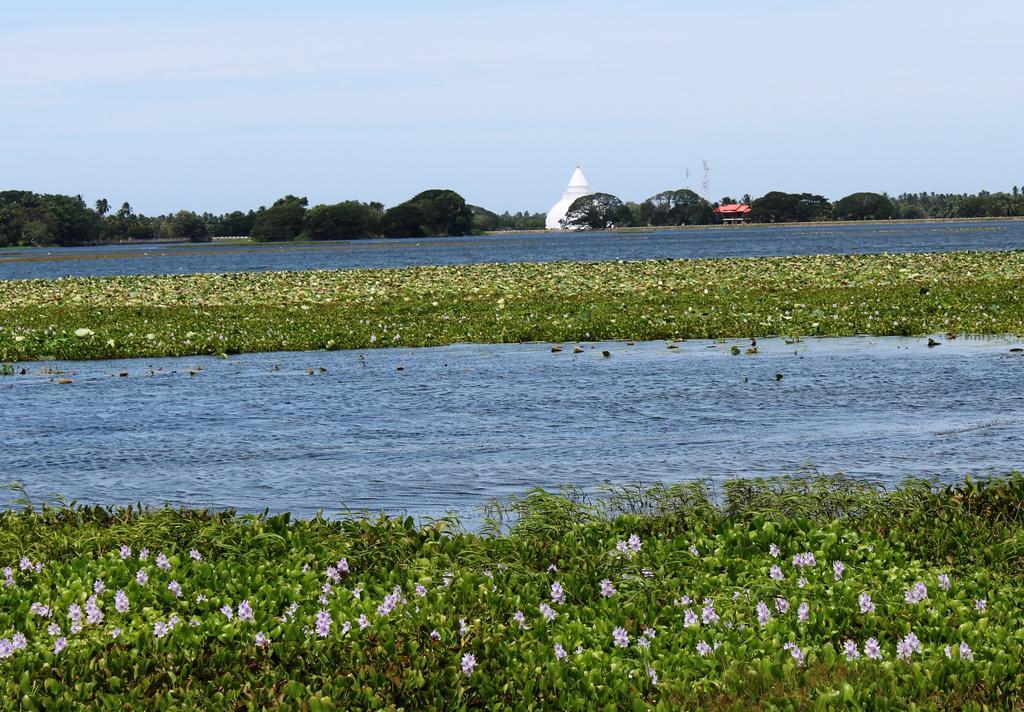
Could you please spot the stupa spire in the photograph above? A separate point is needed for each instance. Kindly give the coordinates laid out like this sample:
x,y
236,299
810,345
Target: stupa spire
x,y
578,187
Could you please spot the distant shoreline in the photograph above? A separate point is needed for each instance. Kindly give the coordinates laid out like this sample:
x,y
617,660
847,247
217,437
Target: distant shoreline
x,y
675,228
245,240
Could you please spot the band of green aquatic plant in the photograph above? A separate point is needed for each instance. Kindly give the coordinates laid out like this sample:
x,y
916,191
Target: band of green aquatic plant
x,y
827,295
796,593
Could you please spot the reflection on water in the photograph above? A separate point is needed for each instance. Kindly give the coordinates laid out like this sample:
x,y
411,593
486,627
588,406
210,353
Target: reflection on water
x,y
457,425
748,241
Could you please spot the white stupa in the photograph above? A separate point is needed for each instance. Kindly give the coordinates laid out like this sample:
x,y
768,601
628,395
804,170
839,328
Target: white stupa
x,y
578,187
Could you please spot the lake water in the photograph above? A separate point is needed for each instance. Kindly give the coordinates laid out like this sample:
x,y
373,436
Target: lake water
x,y
459,424
746,241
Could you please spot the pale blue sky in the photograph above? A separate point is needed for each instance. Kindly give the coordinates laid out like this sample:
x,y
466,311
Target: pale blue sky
x,y
218,106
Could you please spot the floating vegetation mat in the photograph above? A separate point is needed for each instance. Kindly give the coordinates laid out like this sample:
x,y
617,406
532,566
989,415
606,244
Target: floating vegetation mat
x,y
831,295
793,593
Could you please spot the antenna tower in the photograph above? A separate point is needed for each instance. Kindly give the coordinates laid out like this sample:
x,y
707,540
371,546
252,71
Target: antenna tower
x,y
707,180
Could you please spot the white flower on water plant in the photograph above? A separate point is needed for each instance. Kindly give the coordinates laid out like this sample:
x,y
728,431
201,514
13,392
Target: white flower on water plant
x,y
796,653
850,649
804,560
916,593
909,645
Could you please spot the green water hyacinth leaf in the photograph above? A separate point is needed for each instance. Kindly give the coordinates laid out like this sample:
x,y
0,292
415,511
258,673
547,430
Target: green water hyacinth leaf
x,y
667,549
568,302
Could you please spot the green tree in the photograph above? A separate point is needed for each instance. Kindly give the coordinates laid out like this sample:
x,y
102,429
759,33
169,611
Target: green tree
x,y
676,207
597,211
635,214
186,225
30,219
483,220
17,207
777,206
446,212
165,230
233,224
71,221
342,221
977,206
280,222
432,212
864,206
404,220
102,207
521,221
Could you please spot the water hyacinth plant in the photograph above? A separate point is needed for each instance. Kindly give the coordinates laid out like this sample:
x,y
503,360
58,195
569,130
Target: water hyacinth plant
x,y
536,610
823,295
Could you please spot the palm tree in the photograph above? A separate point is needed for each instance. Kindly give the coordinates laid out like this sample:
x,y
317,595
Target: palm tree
x,y
102,206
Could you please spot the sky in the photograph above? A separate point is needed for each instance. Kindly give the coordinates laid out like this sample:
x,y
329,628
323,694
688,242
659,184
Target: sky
x,y
218,106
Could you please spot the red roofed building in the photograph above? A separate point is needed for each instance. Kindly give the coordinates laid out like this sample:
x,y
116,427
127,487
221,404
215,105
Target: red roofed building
x,y
733,213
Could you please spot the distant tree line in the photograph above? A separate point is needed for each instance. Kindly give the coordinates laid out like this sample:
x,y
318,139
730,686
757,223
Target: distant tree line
x,y
599,211
28,218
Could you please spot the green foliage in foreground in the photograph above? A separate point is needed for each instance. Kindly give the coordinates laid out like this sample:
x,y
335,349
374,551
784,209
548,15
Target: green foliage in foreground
x,y
382,614
829,295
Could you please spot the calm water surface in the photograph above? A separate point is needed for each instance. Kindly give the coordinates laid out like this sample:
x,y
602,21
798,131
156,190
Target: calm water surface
x,y
457,425
545,247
